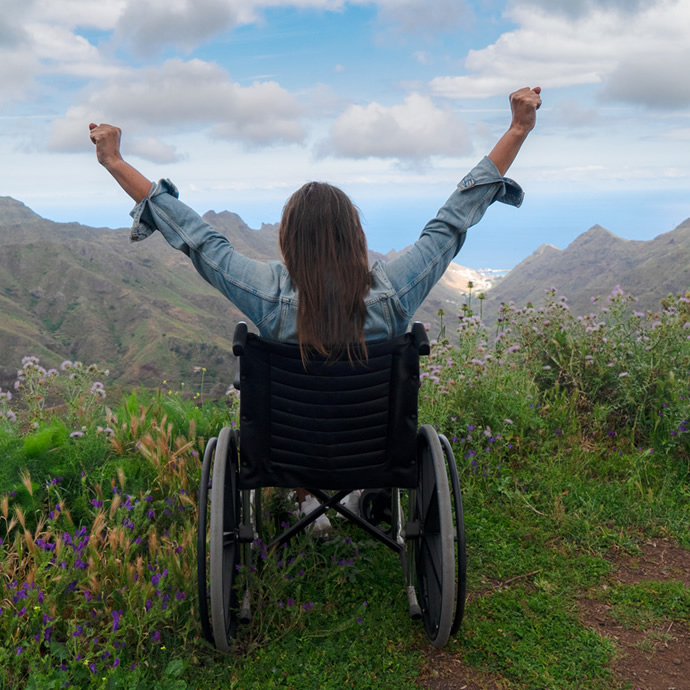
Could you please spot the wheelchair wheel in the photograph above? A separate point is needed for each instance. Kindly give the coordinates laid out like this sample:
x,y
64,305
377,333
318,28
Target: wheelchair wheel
x,y
224,542
459,535
434,550
201,539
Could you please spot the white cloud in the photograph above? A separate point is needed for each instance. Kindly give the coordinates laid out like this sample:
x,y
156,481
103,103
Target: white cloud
x,y
579,8
11,32
38,38
423,57
323,100
63,52
637,56
19,63
415,129
571,114
184,95
679,134
101,15
656,80
153,149
413,16
48,37
147,27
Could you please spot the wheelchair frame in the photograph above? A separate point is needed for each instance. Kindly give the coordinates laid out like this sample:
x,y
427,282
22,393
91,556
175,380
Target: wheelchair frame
x,y
429,540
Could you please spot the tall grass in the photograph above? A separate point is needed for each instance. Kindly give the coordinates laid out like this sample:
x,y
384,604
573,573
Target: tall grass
x,y
571,435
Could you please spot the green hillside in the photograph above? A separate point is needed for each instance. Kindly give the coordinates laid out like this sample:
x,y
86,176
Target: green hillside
x,y
593,265
71,292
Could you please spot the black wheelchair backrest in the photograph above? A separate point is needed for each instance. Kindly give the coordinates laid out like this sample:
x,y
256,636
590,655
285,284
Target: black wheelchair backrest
x,y
329,424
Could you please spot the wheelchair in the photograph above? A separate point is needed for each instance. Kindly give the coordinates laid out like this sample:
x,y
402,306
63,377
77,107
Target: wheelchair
x,y
332,427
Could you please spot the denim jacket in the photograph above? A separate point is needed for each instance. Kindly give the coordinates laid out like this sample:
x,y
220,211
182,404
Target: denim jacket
x,y
263,290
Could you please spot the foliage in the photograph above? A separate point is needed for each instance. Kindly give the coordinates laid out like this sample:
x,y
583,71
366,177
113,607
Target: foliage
x,y
571,439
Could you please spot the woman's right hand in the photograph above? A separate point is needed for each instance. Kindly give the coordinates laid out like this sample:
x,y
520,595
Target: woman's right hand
x,y
524,104
107,141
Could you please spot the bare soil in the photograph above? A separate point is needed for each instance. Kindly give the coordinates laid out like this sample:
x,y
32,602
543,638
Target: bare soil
x,y
656,658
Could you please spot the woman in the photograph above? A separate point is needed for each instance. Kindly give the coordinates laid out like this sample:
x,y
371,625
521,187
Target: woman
x,y
324,296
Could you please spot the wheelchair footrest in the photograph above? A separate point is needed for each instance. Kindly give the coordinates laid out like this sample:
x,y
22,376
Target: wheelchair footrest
x,y
415,608
245,614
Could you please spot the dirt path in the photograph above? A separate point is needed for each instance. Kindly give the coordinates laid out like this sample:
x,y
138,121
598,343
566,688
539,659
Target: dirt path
x,y
657,658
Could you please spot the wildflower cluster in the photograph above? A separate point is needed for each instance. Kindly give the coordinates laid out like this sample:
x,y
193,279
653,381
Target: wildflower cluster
x,y
79,602
7,416
74,392
548,374
108,561
482,453
619,367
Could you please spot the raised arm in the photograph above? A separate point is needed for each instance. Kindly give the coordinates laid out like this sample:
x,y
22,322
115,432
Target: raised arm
x,y
107,141
524,104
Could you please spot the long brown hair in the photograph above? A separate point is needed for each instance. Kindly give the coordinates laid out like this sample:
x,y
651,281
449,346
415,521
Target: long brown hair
x,y
325,252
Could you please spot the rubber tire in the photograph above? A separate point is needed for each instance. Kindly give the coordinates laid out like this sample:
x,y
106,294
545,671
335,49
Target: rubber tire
x,y
201,541
434,549
225,548
459,537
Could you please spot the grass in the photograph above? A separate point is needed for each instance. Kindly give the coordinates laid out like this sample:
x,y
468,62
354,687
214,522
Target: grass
x,y
569,450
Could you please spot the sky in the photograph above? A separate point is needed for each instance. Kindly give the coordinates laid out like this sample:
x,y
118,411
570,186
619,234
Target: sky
x,y
240,102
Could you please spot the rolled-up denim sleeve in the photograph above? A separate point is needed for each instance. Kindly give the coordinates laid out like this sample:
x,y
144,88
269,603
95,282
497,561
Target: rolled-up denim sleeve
x,y
253,286
415,272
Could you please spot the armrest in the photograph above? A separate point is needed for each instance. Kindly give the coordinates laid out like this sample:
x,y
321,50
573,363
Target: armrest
x,y
421,338
239,339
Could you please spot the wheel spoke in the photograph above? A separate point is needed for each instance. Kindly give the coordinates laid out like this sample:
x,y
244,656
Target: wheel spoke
x,y
432,552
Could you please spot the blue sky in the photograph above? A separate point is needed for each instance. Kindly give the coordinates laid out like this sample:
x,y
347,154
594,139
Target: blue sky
x,y
239,102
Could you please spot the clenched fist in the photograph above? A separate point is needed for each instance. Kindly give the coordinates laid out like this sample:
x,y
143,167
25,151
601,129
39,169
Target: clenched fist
x,y
107,141
524,104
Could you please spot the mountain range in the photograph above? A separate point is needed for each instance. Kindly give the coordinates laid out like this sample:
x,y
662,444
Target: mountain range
x,y
593,265
72,292
68,291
